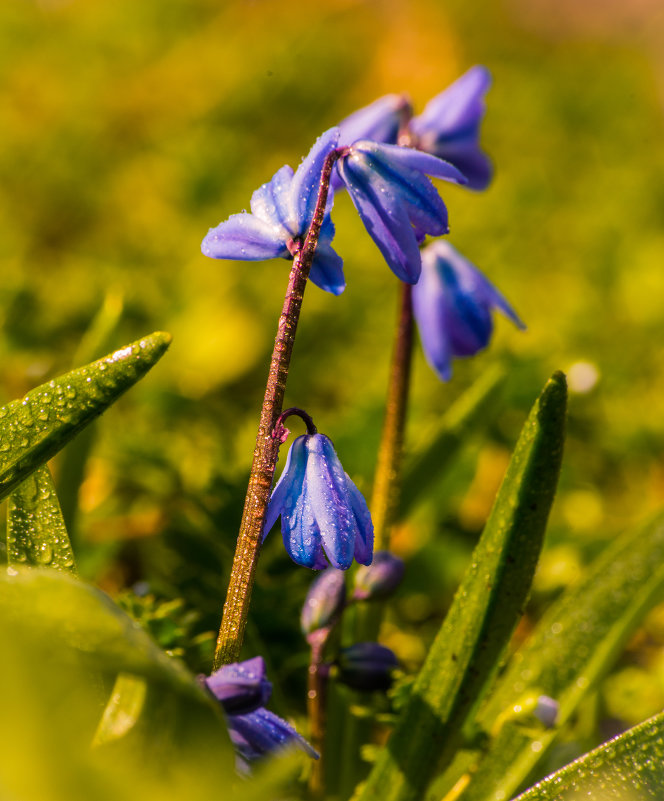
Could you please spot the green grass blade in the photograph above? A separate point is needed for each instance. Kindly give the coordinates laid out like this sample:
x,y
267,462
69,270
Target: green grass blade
x,y
628,768
36,532
471,411
33,429
484,613
573,645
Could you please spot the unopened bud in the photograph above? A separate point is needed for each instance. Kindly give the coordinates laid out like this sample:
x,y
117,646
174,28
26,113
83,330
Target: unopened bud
x,y
380,578
367,666
324,601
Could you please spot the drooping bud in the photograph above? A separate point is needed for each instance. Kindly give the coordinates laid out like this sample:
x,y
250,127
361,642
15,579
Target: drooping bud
x,y
380,578
367,666
324,601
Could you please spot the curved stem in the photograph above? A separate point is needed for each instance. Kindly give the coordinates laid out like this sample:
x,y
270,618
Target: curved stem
x,y
266,452
387,479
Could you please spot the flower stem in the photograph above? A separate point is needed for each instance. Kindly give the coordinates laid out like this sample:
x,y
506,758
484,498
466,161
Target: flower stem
x,y
266,452
387,479
316,708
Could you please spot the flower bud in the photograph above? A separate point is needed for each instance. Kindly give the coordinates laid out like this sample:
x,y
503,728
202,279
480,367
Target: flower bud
x,y
324,601
367,666
546,711
380,578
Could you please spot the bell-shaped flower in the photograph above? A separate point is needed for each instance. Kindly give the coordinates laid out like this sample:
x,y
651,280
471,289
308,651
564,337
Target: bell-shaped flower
x,y
449,126
452,303
323,515
281,213
396,201
243,689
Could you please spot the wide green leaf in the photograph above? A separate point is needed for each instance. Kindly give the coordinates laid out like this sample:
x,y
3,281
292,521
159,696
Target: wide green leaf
x,y
36,532
484,613
573,645
36,427
474,409
628,768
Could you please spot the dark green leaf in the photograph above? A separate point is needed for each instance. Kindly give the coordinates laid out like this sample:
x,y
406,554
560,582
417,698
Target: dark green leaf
x,y
485,611
573,645
33,429
36,532
627,768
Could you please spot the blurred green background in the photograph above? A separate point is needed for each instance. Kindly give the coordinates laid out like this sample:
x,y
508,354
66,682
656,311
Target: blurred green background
x,y
127,129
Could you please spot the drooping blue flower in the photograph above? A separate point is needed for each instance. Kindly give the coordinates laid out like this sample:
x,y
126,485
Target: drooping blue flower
x,y
323,515
396,201
281,213
243,689
452,303
449,126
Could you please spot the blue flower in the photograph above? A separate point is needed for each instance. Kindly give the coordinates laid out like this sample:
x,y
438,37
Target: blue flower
x,y
396,201
452,303
322,512
281,213
243,689
449,126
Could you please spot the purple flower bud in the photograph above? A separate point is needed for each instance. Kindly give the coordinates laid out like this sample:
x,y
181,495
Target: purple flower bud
x,y
324,601
281,211
380,578
546,711
452,303
367,666
322,512
241,687
396,201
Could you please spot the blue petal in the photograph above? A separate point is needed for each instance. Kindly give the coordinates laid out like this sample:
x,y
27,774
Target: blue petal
x,y
262,732
270,201
365,539
246,238
457,111
383,215
327,270
328,493
241,687
293,473
298,521
416,160
306,181
475,165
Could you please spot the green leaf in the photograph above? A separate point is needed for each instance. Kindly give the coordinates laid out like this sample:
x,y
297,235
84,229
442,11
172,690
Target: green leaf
x,y
123,709
484,613
36,532
628,768
471,411
573,645
35,428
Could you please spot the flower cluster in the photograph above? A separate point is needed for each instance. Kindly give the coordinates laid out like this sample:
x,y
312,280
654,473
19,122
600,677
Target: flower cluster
x,y
243,690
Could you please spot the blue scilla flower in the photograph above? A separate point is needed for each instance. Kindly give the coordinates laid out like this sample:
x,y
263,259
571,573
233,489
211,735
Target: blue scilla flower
x,y
243,689
452,303
449,126
396,201
281,213
323,515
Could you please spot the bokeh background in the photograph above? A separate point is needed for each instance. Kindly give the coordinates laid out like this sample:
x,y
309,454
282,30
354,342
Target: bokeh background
x,y
127,129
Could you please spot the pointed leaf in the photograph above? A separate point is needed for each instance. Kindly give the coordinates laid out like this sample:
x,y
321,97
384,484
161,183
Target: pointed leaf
x,y
484,613
33,429
575,643
628,768
36,532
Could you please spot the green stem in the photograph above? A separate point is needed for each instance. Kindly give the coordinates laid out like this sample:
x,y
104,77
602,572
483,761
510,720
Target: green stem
x,y
266,452
316,708
387,480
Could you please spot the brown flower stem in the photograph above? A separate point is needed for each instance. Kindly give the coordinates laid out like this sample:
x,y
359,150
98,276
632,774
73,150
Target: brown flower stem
x,y
387,479
266,452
